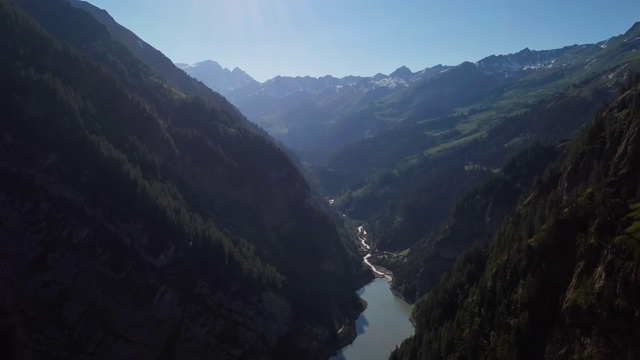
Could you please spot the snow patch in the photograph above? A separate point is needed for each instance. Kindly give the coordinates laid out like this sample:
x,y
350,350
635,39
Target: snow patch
x,y
590,63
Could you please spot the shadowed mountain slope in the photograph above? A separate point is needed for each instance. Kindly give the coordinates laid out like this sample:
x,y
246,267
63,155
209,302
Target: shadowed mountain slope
x,y
141,221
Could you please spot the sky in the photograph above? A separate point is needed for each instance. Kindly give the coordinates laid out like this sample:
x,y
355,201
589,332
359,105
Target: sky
x,y
267,38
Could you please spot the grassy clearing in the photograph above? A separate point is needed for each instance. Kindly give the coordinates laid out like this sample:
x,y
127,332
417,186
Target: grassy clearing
x,y
633,231
631,235
454,143
468,127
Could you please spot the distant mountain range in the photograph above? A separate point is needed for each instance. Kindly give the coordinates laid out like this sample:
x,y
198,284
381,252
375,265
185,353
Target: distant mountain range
x,y
218,78
316,116
296,110
237,84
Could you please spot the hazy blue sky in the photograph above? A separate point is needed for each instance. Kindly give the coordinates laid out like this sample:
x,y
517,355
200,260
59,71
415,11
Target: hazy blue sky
x,y
363,37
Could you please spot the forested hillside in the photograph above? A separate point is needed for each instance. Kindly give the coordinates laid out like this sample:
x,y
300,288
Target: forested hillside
x,y
560,279
142,221
406,200
476,217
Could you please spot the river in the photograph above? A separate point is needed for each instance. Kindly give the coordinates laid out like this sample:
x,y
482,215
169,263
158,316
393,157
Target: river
x,y
385,322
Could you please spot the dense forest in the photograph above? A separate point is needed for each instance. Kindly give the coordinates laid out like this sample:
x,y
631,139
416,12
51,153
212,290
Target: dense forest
x,y
145,217
560,278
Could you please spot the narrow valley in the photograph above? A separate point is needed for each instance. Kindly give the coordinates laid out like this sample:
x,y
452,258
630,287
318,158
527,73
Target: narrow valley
x,y
155,204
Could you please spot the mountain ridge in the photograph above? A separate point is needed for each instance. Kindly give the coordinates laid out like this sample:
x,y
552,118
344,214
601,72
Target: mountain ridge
x,y
292,84
502,64
219,79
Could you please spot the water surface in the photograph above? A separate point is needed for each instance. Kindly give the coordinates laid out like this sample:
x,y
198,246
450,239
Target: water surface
x,y
382,326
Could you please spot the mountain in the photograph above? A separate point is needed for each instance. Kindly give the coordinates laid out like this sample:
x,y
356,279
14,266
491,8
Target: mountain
x,y
441,137
527,60
560,279
217,78
306,113
509,80
238,85
143,220
401,72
